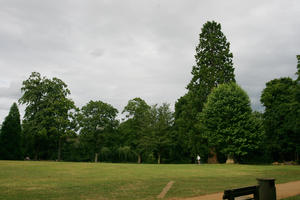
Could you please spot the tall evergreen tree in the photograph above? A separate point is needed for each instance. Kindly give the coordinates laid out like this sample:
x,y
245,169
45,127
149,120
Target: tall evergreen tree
x,y
10,137
213,66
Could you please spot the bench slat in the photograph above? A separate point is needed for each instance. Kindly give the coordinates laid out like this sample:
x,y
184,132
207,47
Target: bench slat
x,y
237,192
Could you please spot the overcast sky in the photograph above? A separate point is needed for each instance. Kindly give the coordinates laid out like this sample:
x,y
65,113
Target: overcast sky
x,y
115,50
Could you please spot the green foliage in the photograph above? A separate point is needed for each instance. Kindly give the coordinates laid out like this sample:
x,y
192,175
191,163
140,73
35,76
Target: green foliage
x,y
137,125
259,155
147,132
184,130
97,122
47,115
137,109
125,154
281,118
10,136
213,66
213,63
227,122
297,109
298,67
161,125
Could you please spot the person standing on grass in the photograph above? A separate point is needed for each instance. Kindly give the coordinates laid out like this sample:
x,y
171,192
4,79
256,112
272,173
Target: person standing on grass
x,y
198,159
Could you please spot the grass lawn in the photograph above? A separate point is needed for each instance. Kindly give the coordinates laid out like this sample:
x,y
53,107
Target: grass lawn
x,y
293,198
71,181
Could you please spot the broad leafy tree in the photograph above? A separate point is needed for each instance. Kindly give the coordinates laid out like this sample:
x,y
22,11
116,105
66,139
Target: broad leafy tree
x,y
47,115
97,122
161,130
10,136
227,122
280,117
138,120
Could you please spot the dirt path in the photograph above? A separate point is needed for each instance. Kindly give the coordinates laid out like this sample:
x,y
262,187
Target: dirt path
x,y
165,190
283,190
288,189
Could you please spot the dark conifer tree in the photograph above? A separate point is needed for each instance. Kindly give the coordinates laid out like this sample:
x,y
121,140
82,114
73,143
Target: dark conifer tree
x,y
10,138
213,66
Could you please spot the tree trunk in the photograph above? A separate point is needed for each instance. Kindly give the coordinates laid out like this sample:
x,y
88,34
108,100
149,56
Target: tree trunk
x,y
230,159
212,157
139,159
158,160
96,157
59,149
37,150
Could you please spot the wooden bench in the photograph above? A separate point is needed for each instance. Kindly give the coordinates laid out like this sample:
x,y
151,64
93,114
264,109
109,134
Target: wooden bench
x,y
238,192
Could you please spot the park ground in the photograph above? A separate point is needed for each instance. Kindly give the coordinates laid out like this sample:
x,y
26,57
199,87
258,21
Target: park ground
x,y
91,181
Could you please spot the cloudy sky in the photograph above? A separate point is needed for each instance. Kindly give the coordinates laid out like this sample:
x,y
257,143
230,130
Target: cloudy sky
x,y
115,50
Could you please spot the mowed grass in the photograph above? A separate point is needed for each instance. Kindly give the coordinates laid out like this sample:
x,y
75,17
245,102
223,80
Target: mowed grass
x,y
293,198
89,181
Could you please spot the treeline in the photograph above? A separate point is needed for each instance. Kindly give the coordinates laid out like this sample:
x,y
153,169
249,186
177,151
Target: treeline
x,y
213,119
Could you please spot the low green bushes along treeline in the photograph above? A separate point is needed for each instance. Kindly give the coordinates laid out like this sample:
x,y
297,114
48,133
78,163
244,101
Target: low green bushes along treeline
x,y
213,119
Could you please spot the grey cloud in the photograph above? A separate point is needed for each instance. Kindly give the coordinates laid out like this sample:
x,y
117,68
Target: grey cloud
x,y
97,52
8,95
13,91
117,50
